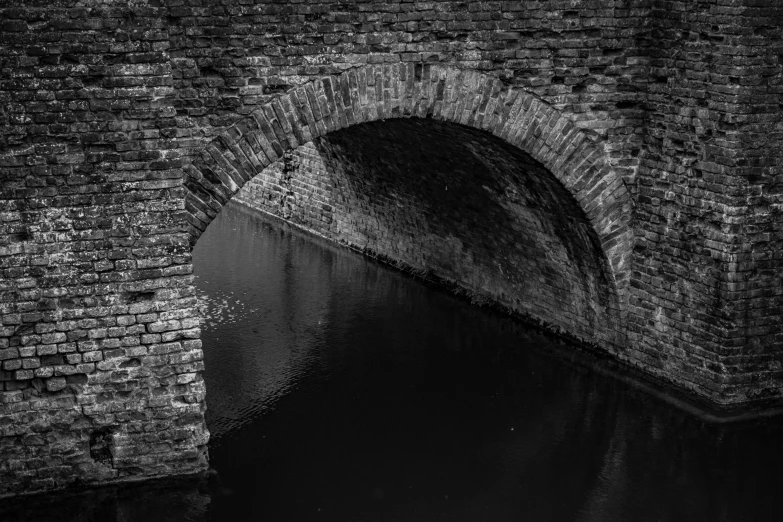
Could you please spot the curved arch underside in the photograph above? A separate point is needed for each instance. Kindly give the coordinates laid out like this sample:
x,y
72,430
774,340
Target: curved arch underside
x,y
596,216
453,204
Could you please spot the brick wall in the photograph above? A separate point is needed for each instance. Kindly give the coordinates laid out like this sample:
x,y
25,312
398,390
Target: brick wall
x,y
125,127
584,58
100,356
707,210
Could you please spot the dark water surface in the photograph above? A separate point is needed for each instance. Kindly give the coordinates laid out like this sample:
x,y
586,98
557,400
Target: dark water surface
x,y
341,390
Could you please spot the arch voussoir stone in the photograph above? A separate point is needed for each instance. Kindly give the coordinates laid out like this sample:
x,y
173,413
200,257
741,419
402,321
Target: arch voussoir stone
x,y
253,151
445,107
308,99
259,142
468,115
367,95
616,194
379,105
342,100
223,168
268,135
301,106
495,102
361,88
510,125
276,114
403,90
276,131
204,199
569,149
486,103
288,113
591,200
326,105
471,116
236,168
558,134
579,164
529,129
544,142
294,122
204,184
243,146
524,118
244,168
348,98
353,88
423,98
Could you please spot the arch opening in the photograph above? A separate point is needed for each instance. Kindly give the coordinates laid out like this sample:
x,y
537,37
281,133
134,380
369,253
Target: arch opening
x,y
591,234
455,205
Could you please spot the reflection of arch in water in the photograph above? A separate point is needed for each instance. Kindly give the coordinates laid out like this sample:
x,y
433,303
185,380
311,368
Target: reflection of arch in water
x,y
466,98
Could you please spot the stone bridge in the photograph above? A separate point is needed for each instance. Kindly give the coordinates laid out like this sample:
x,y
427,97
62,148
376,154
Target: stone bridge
x,y
608,169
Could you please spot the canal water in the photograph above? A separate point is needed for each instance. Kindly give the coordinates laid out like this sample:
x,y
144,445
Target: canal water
x,y
341,390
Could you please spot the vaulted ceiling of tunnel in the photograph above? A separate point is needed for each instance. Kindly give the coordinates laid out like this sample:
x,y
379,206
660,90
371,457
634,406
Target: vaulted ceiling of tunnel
x,y
464,206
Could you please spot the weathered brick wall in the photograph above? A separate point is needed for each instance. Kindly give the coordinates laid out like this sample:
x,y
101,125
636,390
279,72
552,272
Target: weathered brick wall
x,y
99,341
124,128
707,276
456,206
754,279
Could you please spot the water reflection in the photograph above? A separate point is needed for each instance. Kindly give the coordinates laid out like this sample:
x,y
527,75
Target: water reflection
x,y
340,390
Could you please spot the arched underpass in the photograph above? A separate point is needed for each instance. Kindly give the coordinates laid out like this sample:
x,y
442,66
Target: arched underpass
x,y
535,218
453,204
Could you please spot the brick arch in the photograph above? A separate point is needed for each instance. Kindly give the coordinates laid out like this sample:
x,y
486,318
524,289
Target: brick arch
x,y
444,93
